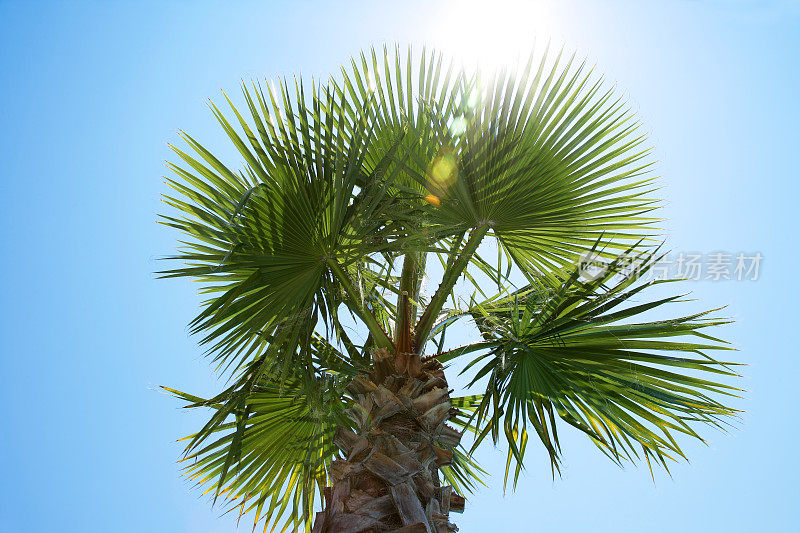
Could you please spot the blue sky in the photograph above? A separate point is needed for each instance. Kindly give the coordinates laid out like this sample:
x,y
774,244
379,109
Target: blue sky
x,y
91,92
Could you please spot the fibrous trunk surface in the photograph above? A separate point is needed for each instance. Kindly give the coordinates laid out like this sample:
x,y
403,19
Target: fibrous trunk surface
x,y
388,479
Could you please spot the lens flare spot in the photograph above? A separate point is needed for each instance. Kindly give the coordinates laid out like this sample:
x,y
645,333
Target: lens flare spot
x,y
433,199
458,126
443,171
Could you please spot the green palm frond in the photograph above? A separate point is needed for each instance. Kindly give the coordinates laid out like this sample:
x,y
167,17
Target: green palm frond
x,y
545,160
580,356
414,95
270,453
407,88
546,157
264,241
552,161
464,473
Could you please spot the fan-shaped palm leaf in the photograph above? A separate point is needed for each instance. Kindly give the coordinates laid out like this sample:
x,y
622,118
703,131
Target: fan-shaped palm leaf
x,y
578,353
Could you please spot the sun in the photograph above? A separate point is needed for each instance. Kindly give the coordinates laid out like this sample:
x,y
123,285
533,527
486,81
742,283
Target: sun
x,y
492,34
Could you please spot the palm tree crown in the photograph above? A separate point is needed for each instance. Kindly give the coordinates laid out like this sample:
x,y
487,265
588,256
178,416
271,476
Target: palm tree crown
x,y
347,191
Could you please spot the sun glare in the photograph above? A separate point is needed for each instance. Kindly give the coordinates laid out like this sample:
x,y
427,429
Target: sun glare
x,y
492,34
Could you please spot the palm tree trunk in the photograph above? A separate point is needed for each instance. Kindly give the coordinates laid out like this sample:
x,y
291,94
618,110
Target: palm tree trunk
x,y
388,479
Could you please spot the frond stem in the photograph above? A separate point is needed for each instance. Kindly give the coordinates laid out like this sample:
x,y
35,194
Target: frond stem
x,y
382,340
449,279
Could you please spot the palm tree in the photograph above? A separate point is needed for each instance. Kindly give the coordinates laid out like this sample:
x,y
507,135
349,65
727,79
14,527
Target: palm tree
x,y
314,255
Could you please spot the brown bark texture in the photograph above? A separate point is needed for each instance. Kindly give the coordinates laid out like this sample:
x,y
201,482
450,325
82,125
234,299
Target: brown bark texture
x,y
388,477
